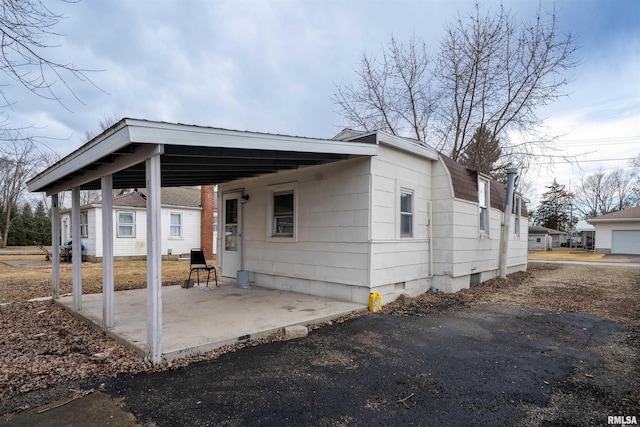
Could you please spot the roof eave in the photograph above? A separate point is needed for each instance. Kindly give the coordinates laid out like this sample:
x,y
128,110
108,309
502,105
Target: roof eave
x,y
590,221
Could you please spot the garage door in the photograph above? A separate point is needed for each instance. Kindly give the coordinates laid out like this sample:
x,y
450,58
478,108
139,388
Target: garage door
x,y
625,242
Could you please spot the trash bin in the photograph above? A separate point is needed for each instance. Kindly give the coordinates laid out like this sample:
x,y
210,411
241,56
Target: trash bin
x,y
242,279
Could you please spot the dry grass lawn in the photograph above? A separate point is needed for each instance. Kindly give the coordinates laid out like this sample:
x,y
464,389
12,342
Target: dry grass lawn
x,y
23,283
43,346
571,254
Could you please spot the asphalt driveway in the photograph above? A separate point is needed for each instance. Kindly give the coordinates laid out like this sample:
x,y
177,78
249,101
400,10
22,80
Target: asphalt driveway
x,y
491,366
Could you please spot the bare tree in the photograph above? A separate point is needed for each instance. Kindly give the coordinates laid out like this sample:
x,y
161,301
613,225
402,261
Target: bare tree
x,y
490,72
19,160
622,185
107,120
605,192
27,28
393,94
634,164
594,195
95,196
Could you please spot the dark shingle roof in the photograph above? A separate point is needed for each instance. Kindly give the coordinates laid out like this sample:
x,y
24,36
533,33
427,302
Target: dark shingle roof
x,y
536,229
465,186
170,196
624,215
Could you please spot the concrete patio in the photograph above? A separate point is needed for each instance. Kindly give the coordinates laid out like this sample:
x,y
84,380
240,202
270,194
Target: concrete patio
x,y
199,319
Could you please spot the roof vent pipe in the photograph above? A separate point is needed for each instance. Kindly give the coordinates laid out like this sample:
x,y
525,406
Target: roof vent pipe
x,y
506,222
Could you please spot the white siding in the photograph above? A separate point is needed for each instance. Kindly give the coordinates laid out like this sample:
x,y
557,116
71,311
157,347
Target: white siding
x,y
331,245
136,246
604,233
460,249
395,259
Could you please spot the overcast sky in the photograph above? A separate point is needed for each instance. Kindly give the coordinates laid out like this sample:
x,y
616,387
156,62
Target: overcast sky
x,y
272,66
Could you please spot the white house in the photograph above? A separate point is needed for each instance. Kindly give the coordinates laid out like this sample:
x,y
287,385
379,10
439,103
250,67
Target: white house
x,y
403,221
618,232
348,217
181,214
543,238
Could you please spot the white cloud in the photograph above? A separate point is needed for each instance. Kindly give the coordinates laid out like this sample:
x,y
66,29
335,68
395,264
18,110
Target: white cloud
x,y
271,65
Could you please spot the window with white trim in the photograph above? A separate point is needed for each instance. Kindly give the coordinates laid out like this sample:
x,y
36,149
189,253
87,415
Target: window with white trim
x,y
406,213
516,212
84,224
483,204
282,212
175,227
126,224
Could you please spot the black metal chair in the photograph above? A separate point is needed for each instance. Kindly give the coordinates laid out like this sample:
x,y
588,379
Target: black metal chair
x,y
199,263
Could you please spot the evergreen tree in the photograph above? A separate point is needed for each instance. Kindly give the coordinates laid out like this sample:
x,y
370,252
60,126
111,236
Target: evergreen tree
x,y
555,208
20,228
482,153
42,224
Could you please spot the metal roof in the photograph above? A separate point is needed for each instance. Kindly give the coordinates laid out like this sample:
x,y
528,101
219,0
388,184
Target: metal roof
x,y
189,155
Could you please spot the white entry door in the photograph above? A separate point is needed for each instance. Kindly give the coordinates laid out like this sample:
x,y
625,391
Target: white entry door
x,y
232,234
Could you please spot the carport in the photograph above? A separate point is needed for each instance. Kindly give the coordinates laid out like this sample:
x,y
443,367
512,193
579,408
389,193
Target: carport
x,y
199,319
146,154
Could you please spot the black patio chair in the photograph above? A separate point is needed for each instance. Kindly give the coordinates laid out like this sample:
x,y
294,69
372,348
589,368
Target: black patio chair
x,y
199,263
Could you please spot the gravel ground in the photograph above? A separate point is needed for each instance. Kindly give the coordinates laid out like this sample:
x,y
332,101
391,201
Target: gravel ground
x,y
45,354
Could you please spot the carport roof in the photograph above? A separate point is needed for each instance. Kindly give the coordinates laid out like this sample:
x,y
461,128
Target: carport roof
x,y
189,155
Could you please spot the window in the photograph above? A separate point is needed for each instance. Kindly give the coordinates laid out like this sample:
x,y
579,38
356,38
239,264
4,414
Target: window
x,y
84,224
231,225
483,203
406,213
516,208
282,207
126,224
175,229
283,214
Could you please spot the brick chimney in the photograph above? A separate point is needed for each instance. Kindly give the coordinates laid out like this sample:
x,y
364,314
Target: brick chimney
x,y
208,203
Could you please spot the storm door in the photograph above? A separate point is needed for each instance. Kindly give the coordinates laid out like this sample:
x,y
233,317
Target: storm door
x,y
232,234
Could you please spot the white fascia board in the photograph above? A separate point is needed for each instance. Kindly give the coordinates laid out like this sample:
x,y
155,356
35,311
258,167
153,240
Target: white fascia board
x,y
614,220
124,161
80,158
188,135
403,144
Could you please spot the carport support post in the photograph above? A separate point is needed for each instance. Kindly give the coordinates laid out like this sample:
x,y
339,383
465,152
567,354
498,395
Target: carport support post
x,y
154,262
107,251
77,249
55,247
506,224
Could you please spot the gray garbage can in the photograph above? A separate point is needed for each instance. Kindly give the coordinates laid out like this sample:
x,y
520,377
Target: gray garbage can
x,y
242,279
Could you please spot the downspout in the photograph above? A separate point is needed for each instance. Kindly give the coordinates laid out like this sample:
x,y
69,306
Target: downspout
x,y
430,239
506,222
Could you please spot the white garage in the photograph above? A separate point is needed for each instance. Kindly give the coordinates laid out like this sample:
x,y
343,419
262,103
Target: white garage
x,y
618,232
625,242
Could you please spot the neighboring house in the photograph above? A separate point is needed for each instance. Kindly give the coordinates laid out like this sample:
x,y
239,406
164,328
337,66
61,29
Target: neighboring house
x,y
618,232
586,234
402,221
543,238
181,219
